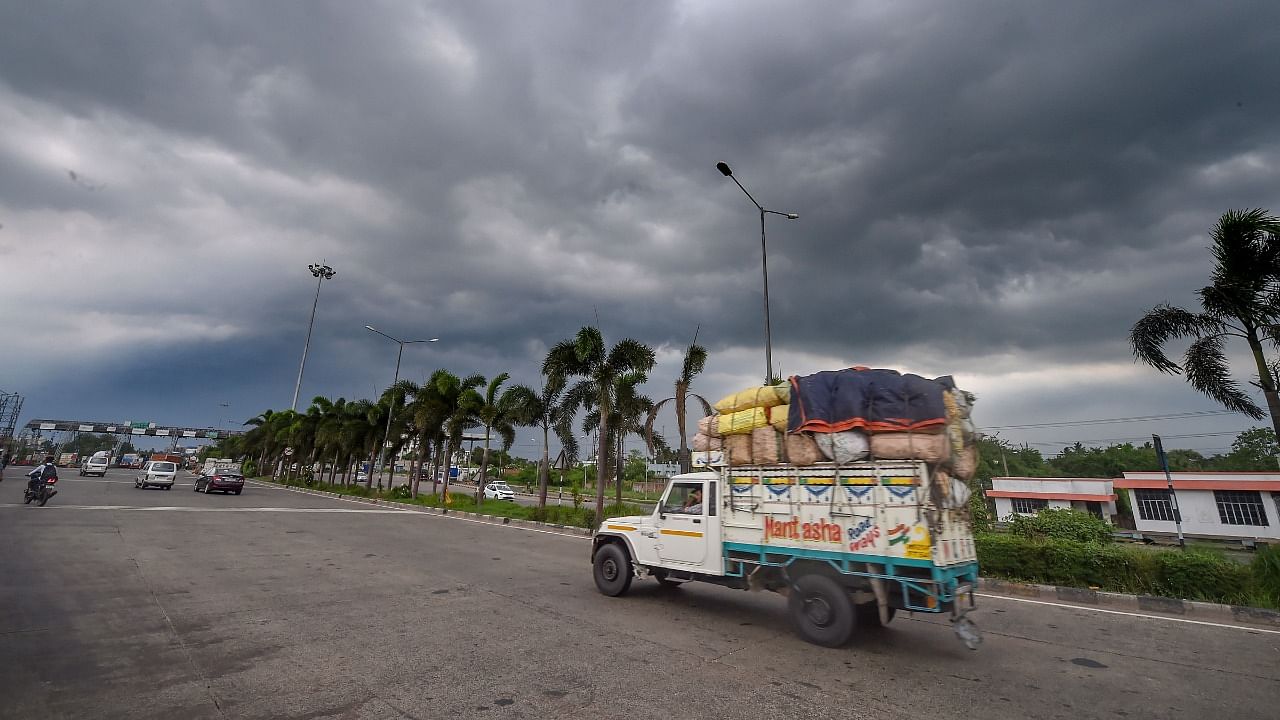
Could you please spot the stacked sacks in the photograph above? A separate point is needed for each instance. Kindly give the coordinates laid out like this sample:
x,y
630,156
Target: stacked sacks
x,y
843,447
802,450
845,416
745,420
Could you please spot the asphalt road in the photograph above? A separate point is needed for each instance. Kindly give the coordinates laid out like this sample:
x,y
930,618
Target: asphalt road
x,y
125,603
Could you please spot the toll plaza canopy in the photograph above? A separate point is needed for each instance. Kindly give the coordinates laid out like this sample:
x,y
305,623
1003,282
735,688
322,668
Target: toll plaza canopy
x,y
128,428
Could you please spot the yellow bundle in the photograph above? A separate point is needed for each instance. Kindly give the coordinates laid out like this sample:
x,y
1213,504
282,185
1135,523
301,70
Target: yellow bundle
x,y
757,397
744,421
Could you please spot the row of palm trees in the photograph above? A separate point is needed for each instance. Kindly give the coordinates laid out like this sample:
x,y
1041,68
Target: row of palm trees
x,y
578,374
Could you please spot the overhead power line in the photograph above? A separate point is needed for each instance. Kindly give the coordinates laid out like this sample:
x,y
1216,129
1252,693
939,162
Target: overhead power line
x,y
1069,443
1107,421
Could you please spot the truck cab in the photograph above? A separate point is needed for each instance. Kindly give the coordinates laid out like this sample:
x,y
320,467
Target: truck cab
x,y
682,532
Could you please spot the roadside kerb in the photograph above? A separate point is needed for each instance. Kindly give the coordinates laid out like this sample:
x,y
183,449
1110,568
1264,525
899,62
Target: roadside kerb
x,y
1088,597
477,517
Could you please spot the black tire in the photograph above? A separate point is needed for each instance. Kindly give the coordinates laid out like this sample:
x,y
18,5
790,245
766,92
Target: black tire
x,y
27,498
44,498
169,486
869,615
237,492
195,487
821,611
612,570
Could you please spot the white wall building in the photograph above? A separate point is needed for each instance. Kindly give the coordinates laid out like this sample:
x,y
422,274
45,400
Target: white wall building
x,y
1244,505
1028,496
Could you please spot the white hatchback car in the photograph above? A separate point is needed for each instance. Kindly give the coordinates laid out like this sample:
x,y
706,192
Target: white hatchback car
x,y
96,465
499,490
158,473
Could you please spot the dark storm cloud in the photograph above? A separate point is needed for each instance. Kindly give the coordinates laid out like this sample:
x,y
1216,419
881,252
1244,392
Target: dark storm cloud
x,y
987,187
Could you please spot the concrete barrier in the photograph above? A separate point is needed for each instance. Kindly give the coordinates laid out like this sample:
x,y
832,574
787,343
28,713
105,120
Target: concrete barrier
x,y
1190,609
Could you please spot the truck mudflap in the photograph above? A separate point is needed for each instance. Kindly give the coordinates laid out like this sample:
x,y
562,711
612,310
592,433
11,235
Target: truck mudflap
x,y
964,628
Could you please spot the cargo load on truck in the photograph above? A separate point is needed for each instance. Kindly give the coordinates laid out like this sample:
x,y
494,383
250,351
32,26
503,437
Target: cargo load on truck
x,y
846,491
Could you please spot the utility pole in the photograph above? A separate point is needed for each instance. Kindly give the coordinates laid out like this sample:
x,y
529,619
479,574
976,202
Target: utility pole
x,y
1173,496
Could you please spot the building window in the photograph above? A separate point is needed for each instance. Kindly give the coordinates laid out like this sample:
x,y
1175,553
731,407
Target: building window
x,y
1154,505
1240,507
1029,506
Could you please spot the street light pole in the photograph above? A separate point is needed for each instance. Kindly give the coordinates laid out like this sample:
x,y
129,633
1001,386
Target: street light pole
x,y
321,272
764,265
386,441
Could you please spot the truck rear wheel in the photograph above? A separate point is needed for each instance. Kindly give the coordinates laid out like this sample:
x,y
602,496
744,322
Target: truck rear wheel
x,y
821,611
612,570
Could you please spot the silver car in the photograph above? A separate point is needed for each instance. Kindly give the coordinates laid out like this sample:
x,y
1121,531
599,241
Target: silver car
x,y
157,473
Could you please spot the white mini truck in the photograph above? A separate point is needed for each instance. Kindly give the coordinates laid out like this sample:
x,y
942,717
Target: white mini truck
x,y
847,545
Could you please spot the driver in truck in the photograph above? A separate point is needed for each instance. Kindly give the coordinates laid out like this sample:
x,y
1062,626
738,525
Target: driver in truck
x,y
693,503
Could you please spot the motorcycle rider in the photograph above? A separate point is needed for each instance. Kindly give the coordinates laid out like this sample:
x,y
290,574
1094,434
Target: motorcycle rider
x,y
42,474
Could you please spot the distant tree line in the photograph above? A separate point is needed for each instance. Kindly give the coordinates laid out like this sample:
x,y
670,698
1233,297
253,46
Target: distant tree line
x,y
583,380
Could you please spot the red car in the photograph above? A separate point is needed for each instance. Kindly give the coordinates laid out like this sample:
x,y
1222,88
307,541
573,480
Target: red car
x,y
223,482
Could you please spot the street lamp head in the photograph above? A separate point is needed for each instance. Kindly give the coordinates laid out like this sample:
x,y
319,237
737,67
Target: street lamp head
x,y
323,271
370,327
792,216
724,169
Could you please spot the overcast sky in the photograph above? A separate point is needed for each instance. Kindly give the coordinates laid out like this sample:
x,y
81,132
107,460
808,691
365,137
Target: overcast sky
x,y
992,190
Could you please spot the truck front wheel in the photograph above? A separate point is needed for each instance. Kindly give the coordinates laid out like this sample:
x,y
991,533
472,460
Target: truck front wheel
x,y
612,570
821,611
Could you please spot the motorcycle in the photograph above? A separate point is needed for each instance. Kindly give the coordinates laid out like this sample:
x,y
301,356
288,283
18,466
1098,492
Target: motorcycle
x,y
42,493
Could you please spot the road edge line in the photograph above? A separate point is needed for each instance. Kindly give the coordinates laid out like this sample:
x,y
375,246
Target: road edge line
x,y
1164,606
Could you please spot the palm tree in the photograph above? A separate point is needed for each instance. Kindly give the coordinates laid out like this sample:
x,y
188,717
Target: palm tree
x,y
329,430
548,411
628,408
458,406
354,434
695,358
501,413
586,356
375,420
259,439
1243,302
394,399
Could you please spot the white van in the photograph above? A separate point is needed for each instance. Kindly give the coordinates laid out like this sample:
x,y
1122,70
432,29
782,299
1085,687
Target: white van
x,y
96,465
157,473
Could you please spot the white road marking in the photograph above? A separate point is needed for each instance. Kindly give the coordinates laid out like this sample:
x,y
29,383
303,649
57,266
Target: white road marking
x,y
98,481
1129,614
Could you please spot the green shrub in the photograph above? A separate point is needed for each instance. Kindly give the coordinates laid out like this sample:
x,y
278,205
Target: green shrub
x,y
1266,572
401,492
1199,575
1195,575
1062,524
980,513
